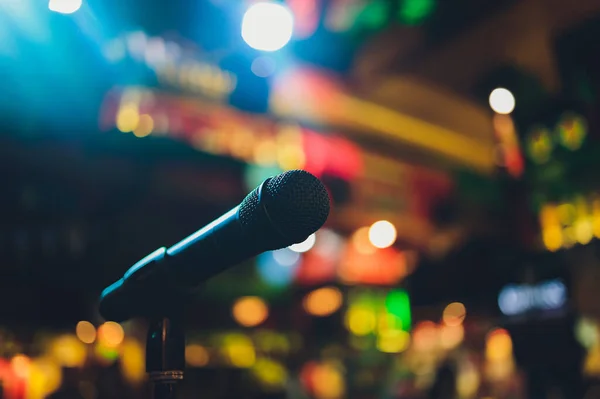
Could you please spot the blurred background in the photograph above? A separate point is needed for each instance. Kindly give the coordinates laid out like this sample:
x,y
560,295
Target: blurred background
x,y
459,141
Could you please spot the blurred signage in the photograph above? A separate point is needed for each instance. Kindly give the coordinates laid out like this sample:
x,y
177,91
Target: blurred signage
x,y
224,131
520,299
177,66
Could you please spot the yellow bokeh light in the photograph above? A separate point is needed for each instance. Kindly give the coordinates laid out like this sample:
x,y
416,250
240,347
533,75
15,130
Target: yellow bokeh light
x,y
20,365
360,320
382,234
265,153
127,118
270,373
361,242
133,361
45,377
323,301
240,350
250,311
451,336
111,334
196,355
290,157
502,101
468,381
454,314
498,345
393,341
86,332
68,351
553,238
144,127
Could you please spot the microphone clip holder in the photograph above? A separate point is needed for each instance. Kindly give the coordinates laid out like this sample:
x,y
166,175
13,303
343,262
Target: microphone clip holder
x,y
165,355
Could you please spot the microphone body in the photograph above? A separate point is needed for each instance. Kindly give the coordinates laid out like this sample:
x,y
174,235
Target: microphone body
x,y
165,279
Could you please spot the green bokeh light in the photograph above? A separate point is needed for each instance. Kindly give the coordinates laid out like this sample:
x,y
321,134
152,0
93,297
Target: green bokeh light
x,y
415,11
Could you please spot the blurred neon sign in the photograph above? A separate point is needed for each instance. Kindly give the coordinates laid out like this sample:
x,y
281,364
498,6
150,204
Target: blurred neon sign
x,y
223,131
519,299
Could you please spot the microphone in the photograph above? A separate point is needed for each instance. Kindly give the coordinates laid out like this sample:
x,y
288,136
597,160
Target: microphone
x,y
282,211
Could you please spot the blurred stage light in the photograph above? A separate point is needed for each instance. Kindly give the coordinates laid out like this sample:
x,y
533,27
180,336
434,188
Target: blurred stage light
x,y
144,127
86,332
454,314
21,365
393,341
133,361
360,320
502,101
196,355
278,268
323,301
305,245
111,334
250,311
240,350
263,66
65,6
498,345
267,26
382,234
68,351
45,377
361,241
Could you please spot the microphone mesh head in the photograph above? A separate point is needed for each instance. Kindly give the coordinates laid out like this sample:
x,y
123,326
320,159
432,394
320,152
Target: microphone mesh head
x,y
297,204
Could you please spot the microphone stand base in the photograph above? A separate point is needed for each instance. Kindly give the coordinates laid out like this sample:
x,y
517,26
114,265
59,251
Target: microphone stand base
x,y
165,356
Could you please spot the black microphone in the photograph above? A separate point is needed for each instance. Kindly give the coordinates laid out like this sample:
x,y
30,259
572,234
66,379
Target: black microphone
x,y
282,211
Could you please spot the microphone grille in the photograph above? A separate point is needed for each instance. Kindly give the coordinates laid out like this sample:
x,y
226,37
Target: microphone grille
x,y
297,203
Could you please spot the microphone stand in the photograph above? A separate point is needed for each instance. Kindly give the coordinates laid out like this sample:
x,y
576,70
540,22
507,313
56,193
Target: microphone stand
x,y
165,355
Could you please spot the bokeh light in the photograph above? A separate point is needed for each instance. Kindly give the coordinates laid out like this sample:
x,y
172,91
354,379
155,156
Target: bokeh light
x,y
250,311
267,26
328,382
278,268
323,301
144,126
502,101
498,345
239,350
110,334
382,234
45,377
128,118
86,332
451,336
305,245
360,320
68,351
425,336
454,314
196,355
361,241
133,361
65,6
21,365
586,332
269,373
393,341
263,66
